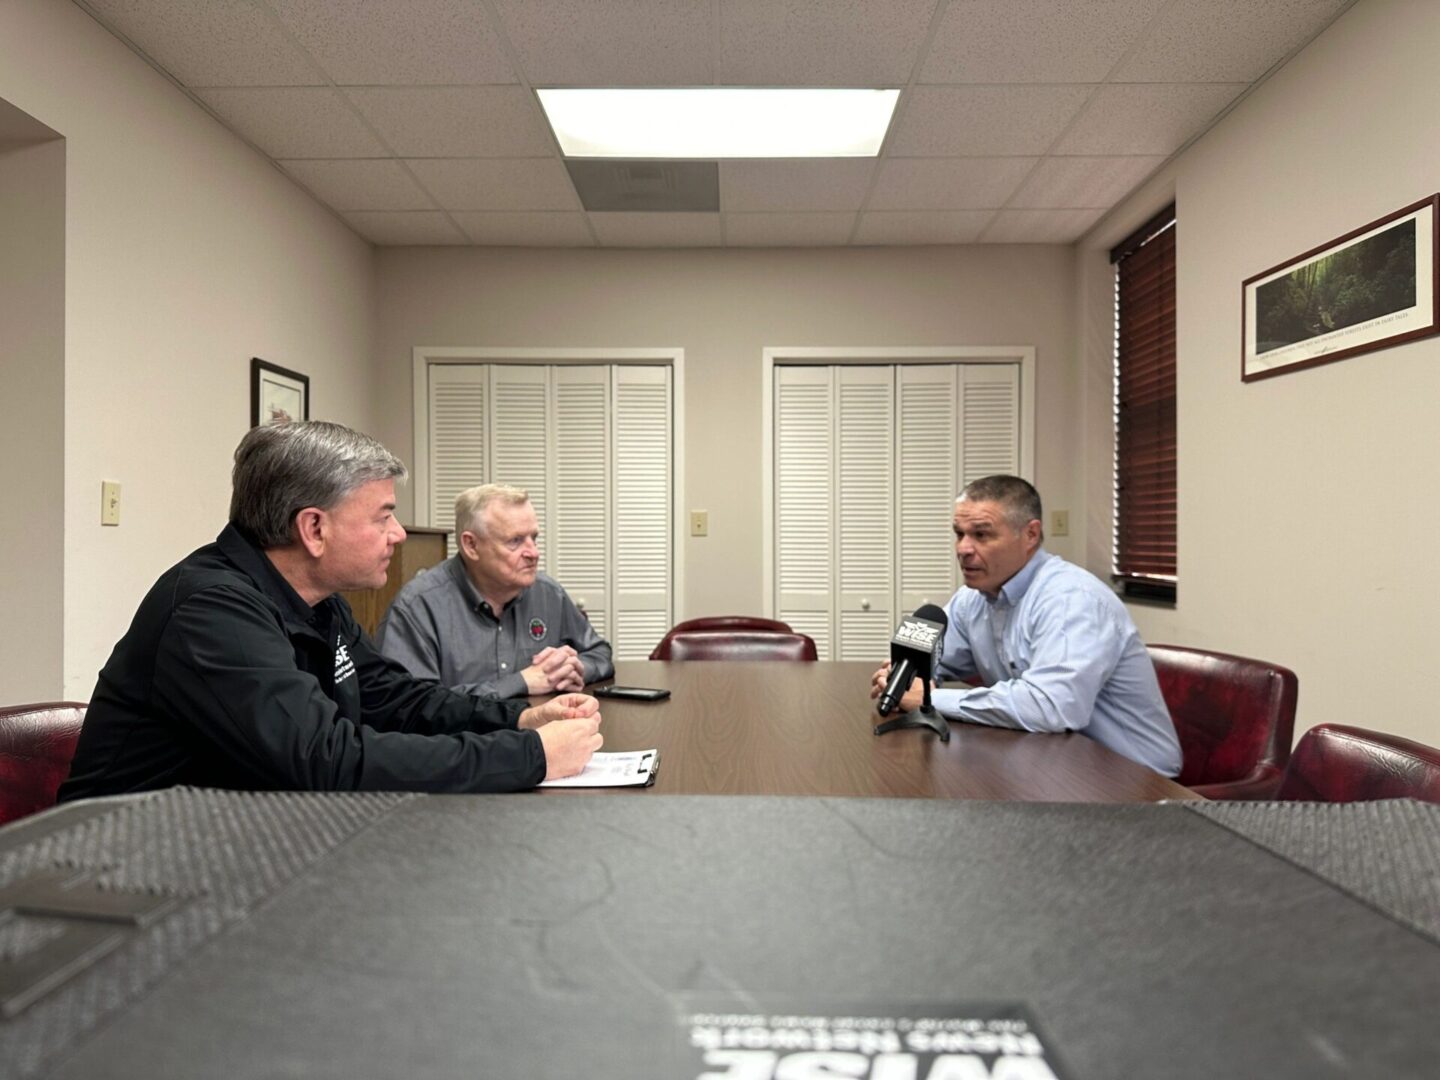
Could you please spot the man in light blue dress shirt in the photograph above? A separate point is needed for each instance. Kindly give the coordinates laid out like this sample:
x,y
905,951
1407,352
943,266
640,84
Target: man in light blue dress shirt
x,y
1052,645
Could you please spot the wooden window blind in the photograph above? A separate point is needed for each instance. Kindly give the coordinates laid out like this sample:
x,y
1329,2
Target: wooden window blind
x,y
1145,445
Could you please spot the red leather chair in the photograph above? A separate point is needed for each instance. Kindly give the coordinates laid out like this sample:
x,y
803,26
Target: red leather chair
x,y
718,622
736,645
1235,718
1339,764
36,745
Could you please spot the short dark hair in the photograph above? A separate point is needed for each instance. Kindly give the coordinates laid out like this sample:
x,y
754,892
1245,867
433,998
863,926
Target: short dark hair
x,y
280,469
1019,498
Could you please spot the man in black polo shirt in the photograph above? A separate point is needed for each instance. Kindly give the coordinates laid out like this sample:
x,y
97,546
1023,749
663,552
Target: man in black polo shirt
x,y
241,668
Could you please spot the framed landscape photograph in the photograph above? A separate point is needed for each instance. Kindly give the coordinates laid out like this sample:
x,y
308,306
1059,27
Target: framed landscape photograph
x,y
277,394
1369,289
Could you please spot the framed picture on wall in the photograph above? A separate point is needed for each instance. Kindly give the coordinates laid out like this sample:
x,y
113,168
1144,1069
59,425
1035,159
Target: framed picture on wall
x,y
277,394
1371,288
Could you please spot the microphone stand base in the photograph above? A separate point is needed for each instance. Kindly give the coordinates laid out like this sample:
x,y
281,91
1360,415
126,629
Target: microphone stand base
x,y
922,717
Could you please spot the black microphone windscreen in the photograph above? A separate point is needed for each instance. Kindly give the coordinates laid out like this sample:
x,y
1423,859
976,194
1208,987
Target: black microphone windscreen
x,y
931,613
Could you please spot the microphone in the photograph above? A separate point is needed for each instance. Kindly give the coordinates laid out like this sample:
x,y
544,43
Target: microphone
x,y
912,650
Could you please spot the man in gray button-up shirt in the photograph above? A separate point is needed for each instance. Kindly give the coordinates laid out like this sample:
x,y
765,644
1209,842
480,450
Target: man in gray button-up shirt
x,y
487,622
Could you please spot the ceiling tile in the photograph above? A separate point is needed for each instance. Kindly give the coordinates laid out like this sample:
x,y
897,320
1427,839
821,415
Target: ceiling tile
x,y
985,120
1033,41
220,43
1039,226
810,184
455,121
1146,118
366,184
787,230
804,43
1083,181
362,43
616,43
637,185
1021,119
917,227
948,183
497,183
294,122
526,229
657,230
1225,40
397,227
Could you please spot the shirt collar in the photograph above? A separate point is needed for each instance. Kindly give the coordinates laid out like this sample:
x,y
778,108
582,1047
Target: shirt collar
x,y
456,566
1014,589
470,592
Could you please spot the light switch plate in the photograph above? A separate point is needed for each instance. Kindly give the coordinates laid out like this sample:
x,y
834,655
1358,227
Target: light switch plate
x,y
1059,522
109,502
699,523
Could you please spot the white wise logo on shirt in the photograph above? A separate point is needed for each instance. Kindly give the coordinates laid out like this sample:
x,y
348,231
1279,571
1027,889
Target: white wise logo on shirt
x,y
344,666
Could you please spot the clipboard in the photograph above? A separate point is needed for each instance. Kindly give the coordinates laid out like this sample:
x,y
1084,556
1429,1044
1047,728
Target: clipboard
x,y
629,768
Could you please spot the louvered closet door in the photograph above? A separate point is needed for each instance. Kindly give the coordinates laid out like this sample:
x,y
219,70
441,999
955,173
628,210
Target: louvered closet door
x,y
868,461
520,437
864,474
989,420
805,502
458,443
641,521
579,544
927,484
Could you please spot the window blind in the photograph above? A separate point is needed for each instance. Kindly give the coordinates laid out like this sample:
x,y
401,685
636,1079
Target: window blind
x,y
1145,444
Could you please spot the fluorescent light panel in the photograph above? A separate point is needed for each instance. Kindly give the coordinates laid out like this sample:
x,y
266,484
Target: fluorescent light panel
x,y
719,122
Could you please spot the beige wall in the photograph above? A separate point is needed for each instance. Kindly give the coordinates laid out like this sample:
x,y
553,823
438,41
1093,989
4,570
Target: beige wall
x,y
1307,501
32,433
185,254
723,307
1304,512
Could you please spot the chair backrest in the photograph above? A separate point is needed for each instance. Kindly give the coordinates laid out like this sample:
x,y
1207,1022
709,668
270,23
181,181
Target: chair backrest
x,y
739,645
1235,718
36,745
717,622
1336,763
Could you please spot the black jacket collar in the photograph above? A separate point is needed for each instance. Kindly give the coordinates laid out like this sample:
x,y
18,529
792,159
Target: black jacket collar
x,y
251,559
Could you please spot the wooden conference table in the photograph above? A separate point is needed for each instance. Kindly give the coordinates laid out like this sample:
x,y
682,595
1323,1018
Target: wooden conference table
x,y
808,729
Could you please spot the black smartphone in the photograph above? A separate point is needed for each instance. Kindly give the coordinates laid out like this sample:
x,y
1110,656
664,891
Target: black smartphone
x,y
630,693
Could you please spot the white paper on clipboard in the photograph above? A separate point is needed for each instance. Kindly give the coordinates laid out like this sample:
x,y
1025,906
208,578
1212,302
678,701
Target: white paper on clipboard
x,y
630,768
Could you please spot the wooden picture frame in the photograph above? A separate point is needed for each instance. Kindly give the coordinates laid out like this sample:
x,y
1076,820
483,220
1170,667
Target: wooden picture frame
x,y
277,394
1374,287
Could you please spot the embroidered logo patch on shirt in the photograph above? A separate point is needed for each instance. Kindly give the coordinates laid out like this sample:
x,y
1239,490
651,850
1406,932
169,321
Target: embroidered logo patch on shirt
x,y
537,629
344,666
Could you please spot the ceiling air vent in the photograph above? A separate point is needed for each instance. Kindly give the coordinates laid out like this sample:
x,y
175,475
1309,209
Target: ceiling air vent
x,y
608,184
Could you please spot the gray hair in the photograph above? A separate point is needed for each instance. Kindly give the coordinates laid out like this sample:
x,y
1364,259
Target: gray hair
x,y
470,505
280,469
1020,500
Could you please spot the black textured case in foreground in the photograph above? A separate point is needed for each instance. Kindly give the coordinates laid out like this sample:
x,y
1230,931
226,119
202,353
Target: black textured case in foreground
x,y
520,936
